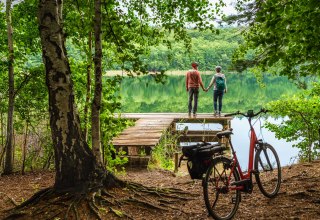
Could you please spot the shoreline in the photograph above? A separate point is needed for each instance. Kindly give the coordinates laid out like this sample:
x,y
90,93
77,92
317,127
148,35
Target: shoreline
x,y
169,72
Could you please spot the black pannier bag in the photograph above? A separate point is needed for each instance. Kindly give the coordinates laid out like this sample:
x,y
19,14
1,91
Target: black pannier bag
x,y
199,158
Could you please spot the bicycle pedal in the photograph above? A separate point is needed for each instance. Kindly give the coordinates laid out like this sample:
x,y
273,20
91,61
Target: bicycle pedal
x,y
240,183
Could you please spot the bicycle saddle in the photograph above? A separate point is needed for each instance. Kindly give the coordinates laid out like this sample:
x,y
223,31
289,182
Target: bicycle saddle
x,y
225,133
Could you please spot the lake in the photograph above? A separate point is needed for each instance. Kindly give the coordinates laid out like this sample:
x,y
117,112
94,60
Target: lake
x,y
143,95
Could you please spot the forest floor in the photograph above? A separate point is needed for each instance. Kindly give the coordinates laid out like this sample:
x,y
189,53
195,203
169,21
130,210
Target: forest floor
x,y
299,196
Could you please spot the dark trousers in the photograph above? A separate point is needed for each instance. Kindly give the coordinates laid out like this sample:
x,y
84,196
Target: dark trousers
x,y
217,96
193,94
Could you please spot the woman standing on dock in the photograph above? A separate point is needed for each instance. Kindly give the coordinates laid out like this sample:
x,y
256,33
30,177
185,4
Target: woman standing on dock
x,y
219,83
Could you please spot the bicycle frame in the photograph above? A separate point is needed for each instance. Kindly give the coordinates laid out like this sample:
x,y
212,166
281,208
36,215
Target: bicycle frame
x,y
236,165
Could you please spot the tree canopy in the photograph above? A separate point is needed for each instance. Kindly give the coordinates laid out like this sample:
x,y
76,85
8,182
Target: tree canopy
x,y
284,35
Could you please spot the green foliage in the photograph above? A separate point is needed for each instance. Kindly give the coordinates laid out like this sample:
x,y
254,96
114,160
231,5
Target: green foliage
x,y
207,48
3,33
301,121
284,34
115,159
163,153
111,126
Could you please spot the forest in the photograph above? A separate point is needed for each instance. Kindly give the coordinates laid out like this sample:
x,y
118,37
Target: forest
x,y
58,104
34,149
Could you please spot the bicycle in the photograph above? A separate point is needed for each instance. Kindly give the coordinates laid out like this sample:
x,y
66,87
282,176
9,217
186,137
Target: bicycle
x,y
224,180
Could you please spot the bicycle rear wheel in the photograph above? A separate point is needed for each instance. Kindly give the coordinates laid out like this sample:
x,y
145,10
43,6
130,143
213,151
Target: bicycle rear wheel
x,y
268,169
221,201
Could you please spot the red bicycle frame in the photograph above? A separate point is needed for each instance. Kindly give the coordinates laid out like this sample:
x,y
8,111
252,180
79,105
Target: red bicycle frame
x,y
236,165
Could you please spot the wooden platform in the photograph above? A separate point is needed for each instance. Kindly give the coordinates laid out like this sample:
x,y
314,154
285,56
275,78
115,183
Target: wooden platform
x,y
207,117
149,128
145,132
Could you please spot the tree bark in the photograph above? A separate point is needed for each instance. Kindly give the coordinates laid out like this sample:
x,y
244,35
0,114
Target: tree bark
x,y
75,163
24,148
2,150
8,166
96,105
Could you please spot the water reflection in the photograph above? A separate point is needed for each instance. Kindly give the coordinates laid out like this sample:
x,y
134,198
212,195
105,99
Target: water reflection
x,y
144,95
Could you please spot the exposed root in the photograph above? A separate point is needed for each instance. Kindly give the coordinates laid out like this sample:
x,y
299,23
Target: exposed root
x,y
94,209
106,193
10,199
36,197
143,203
124,200
120,214
161,192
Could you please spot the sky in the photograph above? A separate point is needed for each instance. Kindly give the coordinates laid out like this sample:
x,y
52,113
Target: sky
x,y
229,8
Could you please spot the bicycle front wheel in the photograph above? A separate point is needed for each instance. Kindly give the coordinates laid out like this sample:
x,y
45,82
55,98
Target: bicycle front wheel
x,y
268,170
221,200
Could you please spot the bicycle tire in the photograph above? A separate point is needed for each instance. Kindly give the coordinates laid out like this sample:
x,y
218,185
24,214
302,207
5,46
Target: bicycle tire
x,y
214,185
268,170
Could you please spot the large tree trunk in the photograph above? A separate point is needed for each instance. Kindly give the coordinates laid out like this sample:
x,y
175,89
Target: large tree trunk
x,y
8,167
96,139
75,164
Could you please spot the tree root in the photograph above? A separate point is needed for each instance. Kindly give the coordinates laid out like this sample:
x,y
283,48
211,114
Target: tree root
x,y
10,199
120,214
124,200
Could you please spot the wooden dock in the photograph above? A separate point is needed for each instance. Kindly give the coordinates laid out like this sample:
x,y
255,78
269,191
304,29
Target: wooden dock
x,y
137,141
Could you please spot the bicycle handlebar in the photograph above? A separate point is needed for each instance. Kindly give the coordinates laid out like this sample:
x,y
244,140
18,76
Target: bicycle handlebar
x,y
249,114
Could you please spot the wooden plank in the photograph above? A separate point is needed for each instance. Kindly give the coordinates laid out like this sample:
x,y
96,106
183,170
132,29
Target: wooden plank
x,y
139,134
145,132
173,115
138,142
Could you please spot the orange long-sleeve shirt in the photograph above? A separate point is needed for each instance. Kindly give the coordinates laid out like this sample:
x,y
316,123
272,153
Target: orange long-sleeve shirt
x,y
193,79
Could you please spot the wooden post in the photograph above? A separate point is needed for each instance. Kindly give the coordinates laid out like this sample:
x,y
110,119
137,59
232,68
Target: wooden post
x,y
176,161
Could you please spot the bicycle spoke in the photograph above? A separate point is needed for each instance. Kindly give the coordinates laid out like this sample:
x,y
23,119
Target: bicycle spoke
x,y
269,171
221,202
215,201
267,158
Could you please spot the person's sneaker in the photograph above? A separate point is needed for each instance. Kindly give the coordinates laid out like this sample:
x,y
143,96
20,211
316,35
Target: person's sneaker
x,y
189,114
219,114
215,113
194,114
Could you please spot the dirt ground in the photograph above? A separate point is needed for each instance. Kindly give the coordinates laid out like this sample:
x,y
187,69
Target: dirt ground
x,y
299,196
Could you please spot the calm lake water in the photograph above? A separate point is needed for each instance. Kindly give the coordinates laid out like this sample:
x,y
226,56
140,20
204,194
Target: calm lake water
x,y
143,95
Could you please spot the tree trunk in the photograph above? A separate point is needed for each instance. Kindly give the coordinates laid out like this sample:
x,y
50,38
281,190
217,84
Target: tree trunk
x,y
2,151
88,95
8,166
75,164
95,126
24,148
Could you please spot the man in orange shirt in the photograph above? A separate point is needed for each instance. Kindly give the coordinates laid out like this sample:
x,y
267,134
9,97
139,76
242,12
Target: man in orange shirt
x,y
193,82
